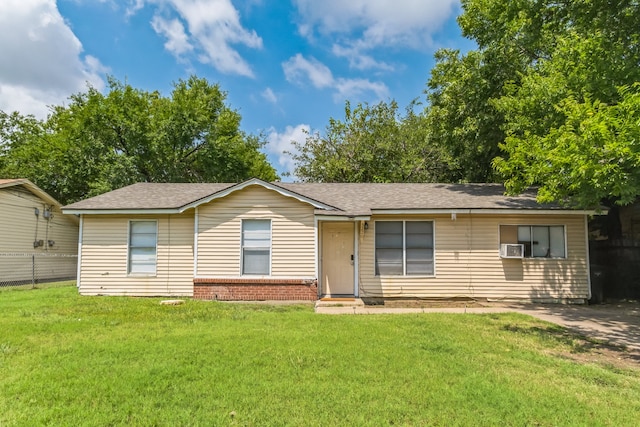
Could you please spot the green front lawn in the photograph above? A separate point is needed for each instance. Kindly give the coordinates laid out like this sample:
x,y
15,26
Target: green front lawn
x,y
72,360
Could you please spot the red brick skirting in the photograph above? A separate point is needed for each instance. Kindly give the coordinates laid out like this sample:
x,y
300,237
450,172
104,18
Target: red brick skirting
x,y
247,289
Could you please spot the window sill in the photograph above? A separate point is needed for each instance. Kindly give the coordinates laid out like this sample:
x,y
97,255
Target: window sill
x,y
405,276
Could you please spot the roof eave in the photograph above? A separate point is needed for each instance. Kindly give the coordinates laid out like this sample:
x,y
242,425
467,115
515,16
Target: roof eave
x,y
486,211
122,211
34,189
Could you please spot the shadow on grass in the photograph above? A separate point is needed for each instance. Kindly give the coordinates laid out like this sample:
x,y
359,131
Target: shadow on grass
x,y
577,343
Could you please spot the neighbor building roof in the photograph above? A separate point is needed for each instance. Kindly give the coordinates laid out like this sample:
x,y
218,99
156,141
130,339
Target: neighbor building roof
x,y
23,182
342,199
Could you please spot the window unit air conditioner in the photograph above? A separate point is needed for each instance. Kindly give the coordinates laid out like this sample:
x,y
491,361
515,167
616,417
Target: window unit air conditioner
x,y
511,250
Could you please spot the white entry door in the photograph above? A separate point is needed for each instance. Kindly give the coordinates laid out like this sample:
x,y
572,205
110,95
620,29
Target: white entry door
x,y
337,258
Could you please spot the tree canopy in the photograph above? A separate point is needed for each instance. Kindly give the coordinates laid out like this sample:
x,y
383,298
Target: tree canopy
x,y
548,98
570,120
374,143
99,142
552,84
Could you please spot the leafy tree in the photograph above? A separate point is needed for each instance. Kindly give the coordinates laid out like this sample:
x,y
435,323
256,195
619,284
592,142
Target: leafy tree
x,y
462,89
542,73
373,143
460,115
593,155
576,104
102,142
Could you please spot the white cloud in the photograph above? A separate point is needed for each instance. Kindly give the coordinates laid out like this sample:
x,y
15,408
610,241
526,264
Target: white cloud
x,y
134,6
210,26
364,24
301,71
42,62
177,40
269,95
380,21
359,60
298,68
348,88
279,145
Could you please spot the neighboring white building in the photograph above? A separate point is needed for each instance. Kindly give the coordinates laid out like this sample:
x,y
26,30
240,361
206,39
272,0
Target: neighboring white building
x,y
37,242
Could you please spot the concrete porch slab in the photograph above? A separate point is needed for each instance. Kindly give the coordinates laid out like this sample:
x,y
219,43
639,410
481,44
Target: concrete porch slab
x,y
344,302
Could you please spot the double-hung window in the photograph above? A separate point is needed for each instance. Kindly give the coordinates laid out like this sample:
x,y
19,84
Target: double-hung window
x,y
256,246
143,242
404,248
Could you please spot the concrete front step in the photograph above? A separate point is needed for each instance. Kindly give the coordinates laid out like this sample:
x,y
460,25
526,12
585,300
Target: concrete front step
x,y
339,302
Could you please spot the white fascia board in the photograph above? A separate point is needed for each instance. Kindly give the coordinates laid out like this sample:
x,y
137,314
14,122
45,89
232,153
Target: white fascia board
x,y
264,184
483,211
121,211
343,218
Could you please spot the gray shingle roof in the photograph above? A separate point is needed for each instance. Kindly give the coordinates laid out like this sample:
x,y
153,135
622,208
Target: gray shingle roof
x,y
348,199
362,198
146,195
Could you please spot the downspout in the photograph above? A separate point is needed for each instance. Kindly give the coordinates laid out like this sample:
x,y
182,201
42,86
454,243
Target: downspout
x,y
317,255
168,253
586,241
356,257
195,244
79,251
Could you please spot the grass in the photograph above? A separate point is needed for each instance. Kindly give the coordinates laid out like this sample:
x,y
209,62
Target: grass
x,y
43,285
72,360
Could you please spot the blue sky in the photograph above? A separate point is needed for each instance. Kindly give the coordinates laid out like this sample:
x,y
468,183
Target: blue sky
x,y
287,66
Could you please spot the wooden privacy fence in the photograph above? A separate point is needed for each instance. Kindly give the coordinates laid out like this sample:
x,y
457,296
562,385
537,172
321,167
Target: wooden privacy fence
x,y
33,268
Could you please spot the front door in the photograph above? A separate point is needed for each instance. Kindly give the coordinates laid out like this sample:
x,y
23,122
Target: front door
x,y
337,258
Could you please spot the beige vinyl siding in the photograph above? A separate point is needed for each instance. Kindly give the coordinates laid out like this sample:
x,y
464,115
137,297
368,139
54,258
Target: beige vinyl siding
x,y
292,233
467,262
103,269
20,227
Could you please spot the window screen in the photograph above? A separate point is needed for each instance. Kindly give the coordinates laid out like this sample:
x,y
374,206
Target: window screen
x,y
404,248
256,246
389,248
143,237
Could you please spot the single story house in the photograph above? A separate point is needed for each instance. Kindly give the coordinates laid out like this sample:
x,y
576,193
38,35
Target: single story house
x,y
37,242
266,241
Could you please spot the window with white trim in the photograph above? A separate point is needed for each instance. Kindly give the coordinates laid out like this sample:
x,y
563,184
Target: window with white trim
x,y
404,248
256,247
143,242
540,241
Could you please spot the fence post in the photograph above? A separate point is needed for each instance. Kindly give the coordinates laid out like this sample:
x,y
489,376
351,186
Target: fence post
x,y
33,271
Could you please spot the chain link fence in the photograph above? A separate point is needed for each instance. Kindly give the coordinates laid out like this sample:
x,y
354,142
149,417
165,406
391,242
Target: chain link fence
x,y
24,268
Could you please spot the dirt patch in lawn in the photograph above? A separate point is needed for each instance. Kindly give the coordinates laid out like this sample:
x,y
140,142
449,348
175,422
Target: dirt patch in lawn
x,y
580,348
617,358
585,350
